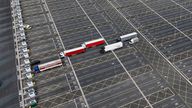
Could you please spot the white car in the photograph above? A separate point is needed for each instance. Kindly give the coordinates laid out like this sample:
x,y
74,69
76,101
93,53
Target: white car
x,y
28,70
21,29
31,90
22,38
31,94
25,50
20,21
30,84
22,34
26,55
23,43
27,27
26,61
29,75
19,16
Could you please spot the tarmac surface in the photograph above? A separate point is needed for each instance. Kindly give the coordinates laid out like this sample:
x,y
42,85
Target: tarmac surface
x,y
155,72
8,88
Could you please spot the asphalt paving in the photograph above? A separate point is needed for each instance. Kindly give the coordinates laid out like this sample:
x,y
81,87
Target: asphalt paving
x,y
9,97
104,81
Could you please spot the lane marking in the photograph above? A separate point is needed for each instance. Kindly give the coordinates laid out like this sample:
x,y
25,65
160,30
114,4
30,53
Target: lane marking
x,y
70,63
116,56
152,44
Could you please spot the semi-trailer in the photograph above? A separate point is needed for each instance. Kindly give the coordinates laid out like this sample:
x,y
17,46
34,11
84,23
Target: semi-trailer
x,y
74,51
46,66
111,47
82,49
131,38
94,43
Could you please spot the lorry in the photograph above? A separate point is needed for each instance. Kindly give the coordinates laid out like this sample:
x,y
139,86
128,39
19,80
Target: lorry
x,y
48,65
94,43
111,47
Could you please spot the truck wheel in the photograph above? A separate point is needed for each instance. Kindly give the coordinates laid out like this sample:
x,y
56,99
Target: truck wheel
x,y
118,40
102,51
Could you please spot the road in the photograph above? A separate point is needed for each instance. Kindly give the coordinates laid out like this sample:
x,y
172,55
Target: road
x,y
9,97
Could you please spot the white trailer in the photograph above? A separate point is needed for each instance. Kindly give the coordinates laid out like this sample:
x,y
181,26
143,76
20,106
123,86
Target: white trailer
x,y
112,47
128,37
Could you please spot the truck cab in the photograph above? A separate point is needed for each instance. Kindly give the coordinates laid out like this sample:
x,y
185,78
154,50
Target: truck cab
x,y
134,40
62,55
36,69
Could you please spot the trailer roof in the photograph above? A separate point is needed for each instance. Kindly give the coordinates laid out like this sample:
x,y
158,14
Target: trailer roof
x,y
59,60
127,35
95,40
74,49
118,44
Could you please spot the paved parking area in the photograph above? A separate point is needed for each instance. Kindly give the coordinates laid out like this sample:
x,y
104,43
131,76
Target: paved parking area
x,y
141,75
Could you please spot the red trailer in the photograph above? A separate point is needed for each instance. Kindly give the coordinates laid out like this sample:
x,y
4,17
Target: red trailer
x,y
74,51
94,43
